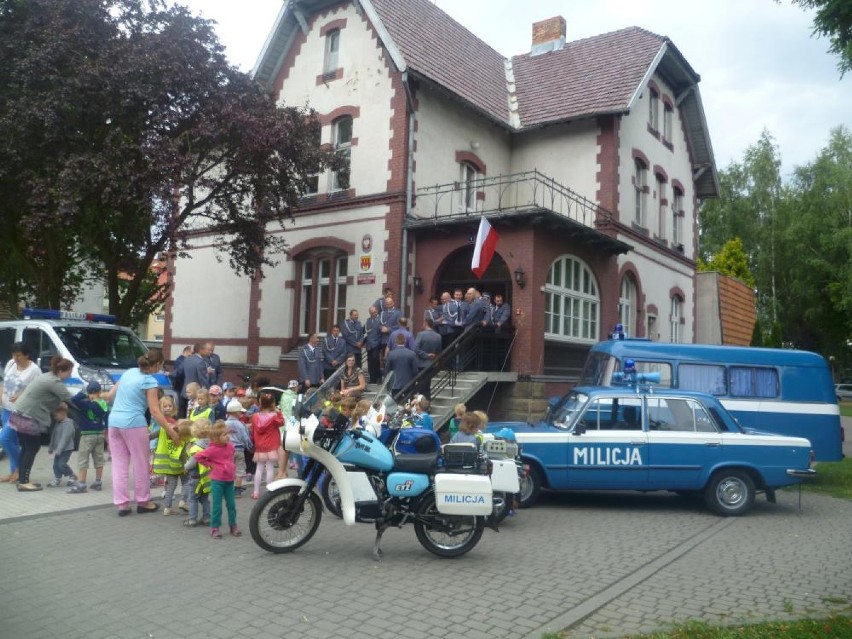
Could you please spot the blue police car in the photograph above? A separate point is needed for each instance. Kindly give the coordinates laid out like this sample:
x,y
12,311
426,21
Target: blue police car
x,y
634,438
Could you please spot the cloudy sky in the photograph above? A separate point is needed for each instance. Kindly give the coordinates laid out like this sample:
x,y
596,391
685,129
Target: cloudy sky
x,y
759,66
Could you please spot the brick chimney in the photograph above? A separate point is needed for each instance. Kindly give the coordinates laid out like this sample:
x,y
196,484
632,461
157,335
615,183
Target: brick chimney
x,y
548,35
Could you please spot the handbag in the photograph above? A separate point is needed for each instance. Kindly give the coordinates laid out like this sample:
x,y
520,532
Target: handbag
x,y
24,424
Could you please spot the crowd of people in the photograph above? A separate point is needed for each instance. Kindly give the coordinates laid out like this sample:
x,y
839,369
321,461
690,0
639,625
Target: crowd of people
x,y
218,437
391,345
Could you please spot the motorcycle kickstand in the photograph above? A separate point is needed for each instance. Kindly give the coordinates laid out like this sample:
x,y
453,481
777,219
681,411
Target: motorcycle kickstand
x,y
377,552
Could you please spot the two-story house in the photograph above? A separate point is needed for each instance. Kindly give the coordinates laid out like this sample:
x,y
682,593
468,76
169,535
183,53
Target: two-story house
x,y
589,158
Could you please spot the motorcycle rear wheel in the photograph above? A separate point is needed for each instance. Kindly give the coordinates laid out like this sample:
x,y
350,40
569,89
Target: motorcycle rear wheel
x,y
446,535
503,506
275,525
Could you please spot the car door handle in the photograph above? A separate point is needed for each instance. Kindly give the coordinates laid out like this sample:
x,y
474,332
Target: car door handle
x,y
712,444
639,443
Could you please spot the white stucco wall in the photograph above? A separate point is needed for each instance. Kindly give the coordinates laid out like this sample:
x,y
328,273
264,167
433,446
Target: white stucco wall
x,y
365,84
565,152
633,133
445,127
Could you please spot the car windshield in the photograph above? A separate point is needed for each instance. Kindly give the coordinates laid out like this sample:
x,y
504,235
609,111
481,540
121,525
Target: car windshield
x,y
102,346
564,411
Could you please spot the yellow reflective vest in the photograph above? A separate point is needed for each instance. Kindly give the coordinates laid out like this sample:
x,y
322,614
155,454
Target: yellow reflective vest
x,y
202,470
169,457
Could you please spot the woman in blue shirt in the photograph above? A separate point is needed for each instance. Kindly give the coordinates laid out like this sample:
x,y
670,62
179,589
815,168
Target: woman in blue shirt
x,y
133,394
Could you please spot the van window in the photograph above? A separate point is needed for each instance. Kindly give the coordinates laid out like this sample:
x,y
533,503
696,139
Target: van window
x,y
754,381
39,342
704,378
98,346
7,338
663,368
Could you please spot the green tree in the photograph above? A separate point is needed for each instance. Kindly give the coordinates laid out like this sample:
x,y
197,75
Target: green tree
x,y
833,20
124,132
730,260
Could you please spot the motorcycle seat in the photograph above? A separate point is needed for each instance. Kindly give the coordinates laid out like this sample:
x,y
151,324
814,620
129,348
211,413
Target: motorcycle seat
x,y
422,463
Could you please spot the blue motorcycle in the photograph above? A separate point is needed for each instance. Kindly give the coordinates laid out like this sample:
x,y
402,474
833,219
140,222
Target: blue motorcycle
x,y
378,484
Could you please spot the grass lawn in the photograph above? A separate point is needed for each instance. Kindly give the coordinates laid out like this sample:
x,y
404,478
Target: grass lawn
x,y
846,409
834,627
833,478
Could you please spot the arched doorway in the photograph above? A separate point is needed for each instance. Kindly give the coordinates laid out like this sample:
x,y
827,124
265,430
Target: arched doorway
x,y
455,273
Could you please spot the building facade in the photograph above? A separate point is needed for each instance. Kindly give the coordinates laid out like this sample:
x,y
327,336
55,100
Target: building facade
x,y
589,159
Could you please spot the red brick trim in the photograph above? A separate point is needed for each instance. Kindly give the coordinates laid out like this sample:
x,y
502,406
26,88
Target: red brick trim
x,y
338,25
676,291
654,87
636,154
331,76
667,102
353,111
651,309
253,346
661,172
320,242
472,159
678,185
607,160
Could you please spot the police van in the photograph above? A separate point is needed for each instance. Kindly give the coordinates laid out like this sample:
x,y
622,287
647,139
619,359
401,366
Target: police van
x,y
100,349
784,391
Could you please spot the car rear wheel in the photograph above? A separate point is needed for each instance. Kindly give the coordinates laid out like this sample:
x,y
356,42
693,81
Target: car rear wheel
x,y
729,493
530,487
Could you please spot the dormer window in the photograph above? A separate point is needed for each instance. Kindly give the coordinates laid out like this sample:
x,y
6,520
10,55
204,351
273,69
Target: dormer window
x,y
332,48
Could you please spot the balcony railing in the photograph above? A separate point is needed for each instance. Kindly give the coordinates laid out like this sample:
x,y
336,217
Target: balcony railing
x,y
528,191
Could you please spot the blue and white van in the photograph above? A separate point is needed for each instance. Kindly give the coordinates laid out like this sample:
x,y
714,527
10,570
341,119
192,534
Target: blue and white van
x,y
101,350
783,391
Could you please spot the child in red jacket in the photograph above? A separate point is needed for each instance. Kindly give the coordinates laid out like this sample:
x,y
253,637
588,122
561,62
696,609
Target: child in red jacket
x,y
265,433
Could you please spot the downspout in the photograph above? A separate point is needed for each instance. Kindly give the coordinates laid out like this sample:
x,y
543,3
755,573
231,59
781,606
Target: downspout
x,y
409,194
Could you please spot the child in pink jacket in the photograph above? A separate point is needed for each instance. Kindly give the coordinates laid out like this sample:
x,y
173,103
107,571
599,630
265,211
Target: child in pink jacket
x,y
219,457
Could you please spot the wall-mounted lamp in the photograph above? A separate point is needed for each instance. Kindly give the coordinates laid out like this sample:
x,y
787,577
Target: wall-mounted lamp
x,y
418,283
474,145
519,277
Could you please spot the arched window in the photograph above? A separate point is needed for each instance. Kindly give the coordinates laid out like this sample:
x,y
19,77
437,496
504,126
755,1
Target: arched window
x,y
654,110
627,305
323,290
677,216
341,139
572,304
640,185
676,318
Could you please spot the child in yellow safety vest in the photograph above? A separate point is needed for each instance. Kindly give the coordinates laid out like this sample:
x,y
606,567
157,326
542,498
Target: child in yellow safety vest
x,y
169,458
199,476
203,409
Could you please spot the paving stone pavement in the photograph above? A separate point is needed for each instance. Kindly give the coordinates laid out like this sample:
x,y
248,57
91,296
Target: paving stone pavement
x,y
586,564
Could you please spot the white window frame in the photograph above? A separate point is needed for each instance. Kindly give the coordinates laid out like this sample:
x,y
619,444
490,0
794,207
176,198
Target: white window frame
x,y
661,199
343,147
627,305
654,110
341,268
331,61
675,318
677,211
572,302
640,185
467,183
668,116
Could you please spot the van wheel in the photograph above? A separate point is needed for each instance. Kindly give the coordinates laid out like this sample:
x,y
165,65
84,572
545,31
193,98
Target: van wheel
x,y
729,493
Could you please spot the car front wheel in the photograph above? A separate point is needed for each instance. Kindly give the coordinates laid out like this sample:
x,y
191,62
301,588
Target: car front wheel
x,y
729,493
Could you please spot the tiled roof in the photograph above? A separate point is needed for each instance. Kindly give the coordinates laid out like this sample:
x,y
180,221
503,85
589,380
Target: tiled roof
x,y
587,77
445,52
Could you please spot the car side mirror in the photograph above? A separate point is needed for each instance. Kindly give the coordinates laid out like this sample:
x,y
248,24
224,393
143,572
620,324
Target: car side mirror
x,y
579,428
44,360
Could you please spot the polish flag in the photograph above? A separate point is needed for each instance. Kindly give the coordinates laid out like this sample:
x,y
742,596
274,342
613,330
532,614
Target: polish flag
x,y
486,241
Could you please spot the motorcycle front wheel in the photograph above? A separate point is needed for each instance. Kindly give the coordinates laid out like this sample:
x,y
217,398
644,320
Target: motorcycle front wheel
x,y
446,535
330,495
277,525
